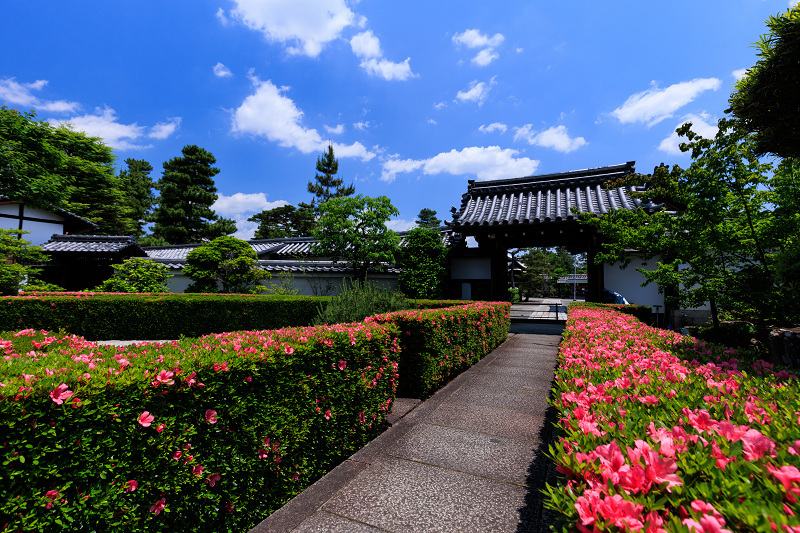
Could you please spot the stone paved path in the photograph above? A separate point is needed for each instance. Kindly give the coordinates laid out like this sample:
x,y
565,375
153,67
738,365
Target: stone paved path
x,y
470,458
540,309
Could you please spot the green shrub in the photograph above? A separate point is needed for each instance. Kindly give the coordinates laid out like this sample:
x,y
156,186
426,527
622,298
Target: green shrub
x,y
154,316
226,261
210,434
137,275
358,301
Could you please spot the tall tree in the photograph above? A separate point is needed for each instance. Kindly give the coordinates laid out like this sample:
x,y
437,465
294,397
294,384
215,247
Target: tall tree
x,y
427,219
765,99
354,229
327,186
137,187
183,214
31,166
422,258
283,221
94,193
225,261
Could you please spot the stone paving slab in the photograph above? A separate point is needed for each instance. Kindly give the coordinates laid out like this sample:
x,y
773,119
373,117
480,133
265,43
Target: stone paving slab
x,y
470,458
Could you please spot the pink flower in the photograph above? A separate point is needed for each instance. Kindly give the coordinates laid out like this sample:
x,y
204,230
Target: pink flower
x,y
132,484
160,428
177,455
51,495
60,393
213,478
197,470
756,445
342,365
164,377
262,453
288,349
146,419
211,416
158,506
327,414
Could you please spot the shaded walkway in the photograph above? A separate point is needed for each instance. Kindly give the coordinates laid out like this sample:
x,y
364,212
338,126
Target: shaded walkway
x,y
470,458
545,310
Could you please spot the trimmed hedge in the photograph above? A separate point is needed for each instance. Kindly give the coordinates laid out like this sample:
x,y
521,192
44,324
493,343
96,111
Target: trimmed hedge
x,y
438,344
210,434
103,316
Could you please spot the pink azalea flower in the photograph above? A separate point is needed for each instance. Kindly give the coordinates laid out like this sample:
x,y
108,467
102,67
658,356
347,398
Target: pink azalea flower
x,y
177,455
158,506
262,453
197,470
342,365
757,445
288,349
145,419
160,428
132,484
327,414
60,393
213,478
51,495
165,377
211,416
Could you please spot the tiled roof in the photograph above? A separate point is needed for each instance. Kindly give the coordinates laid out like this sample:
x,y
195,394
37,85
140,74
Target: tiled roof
x,y
285,265
92,244
544,198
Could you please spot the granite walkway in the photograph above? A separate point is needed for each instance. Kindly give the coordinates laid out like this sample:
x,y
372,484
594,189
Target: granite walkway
x,y
541,309
470,458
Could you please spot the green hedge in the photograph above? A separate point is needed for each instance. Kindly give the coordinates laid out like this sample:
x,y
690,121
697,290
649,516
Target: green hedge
x,y
99,316
240,423
438,344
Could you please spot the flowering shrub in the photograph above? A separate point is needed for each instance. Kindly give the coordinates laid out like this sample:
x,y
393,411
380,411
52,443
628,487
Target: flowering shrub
x,y
660,433
438,344
207,434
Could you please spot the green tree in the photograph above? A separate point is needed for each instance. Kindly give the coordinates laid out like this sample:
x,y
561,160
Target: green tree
x,y
183,214
283,221
95,193
31,165
137,275
14,251
537,275
354,229
326,185
765,99
427,219
137,188
226,261
422,259
715,236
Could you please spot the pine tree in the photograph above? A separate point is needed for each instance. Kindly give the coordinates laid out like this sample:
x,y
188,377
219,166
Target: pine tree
x,y
427,219
137,186
184,213
327,186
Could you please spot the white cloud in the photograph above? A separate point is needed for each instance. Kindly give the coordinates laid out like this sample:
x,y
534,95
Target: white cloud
x,y
475,39
400,225
477,92
556,138
268,113
162,130
439,106
21,94
337,130
104,124
494,126
367,47
486,163
222,17
240,207
654,105
361,126
431,121
303,26
221,71
739,73
700,126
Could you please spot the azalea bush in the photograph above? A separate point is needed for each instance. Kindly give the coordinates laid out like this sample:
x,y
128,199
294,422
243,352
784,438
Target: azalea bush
x,y
438,344
660,432
210,434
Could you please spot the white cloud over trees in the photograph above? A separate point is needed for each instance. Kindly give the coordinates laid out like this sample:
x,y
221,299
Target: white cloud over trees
x,y
486,163
105,124
700,125
21,94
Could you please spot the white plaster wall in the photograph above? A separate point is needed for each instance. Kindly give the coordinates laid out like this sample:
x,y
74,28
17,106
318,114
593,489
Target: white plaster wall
x,y
40,232
628,283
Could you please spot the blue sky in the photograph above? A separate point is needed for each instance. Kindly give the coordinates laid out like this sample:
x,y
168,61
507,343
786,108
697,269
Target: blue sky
x,y
417,97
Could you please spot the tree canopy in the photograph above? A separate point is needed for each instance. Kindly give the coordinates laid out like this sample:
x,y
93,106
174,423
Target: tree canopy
x,y
427,219
14,252
137,187
225,261
766,98
187,192
422,259
354,229
284,221
137,275
326,186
